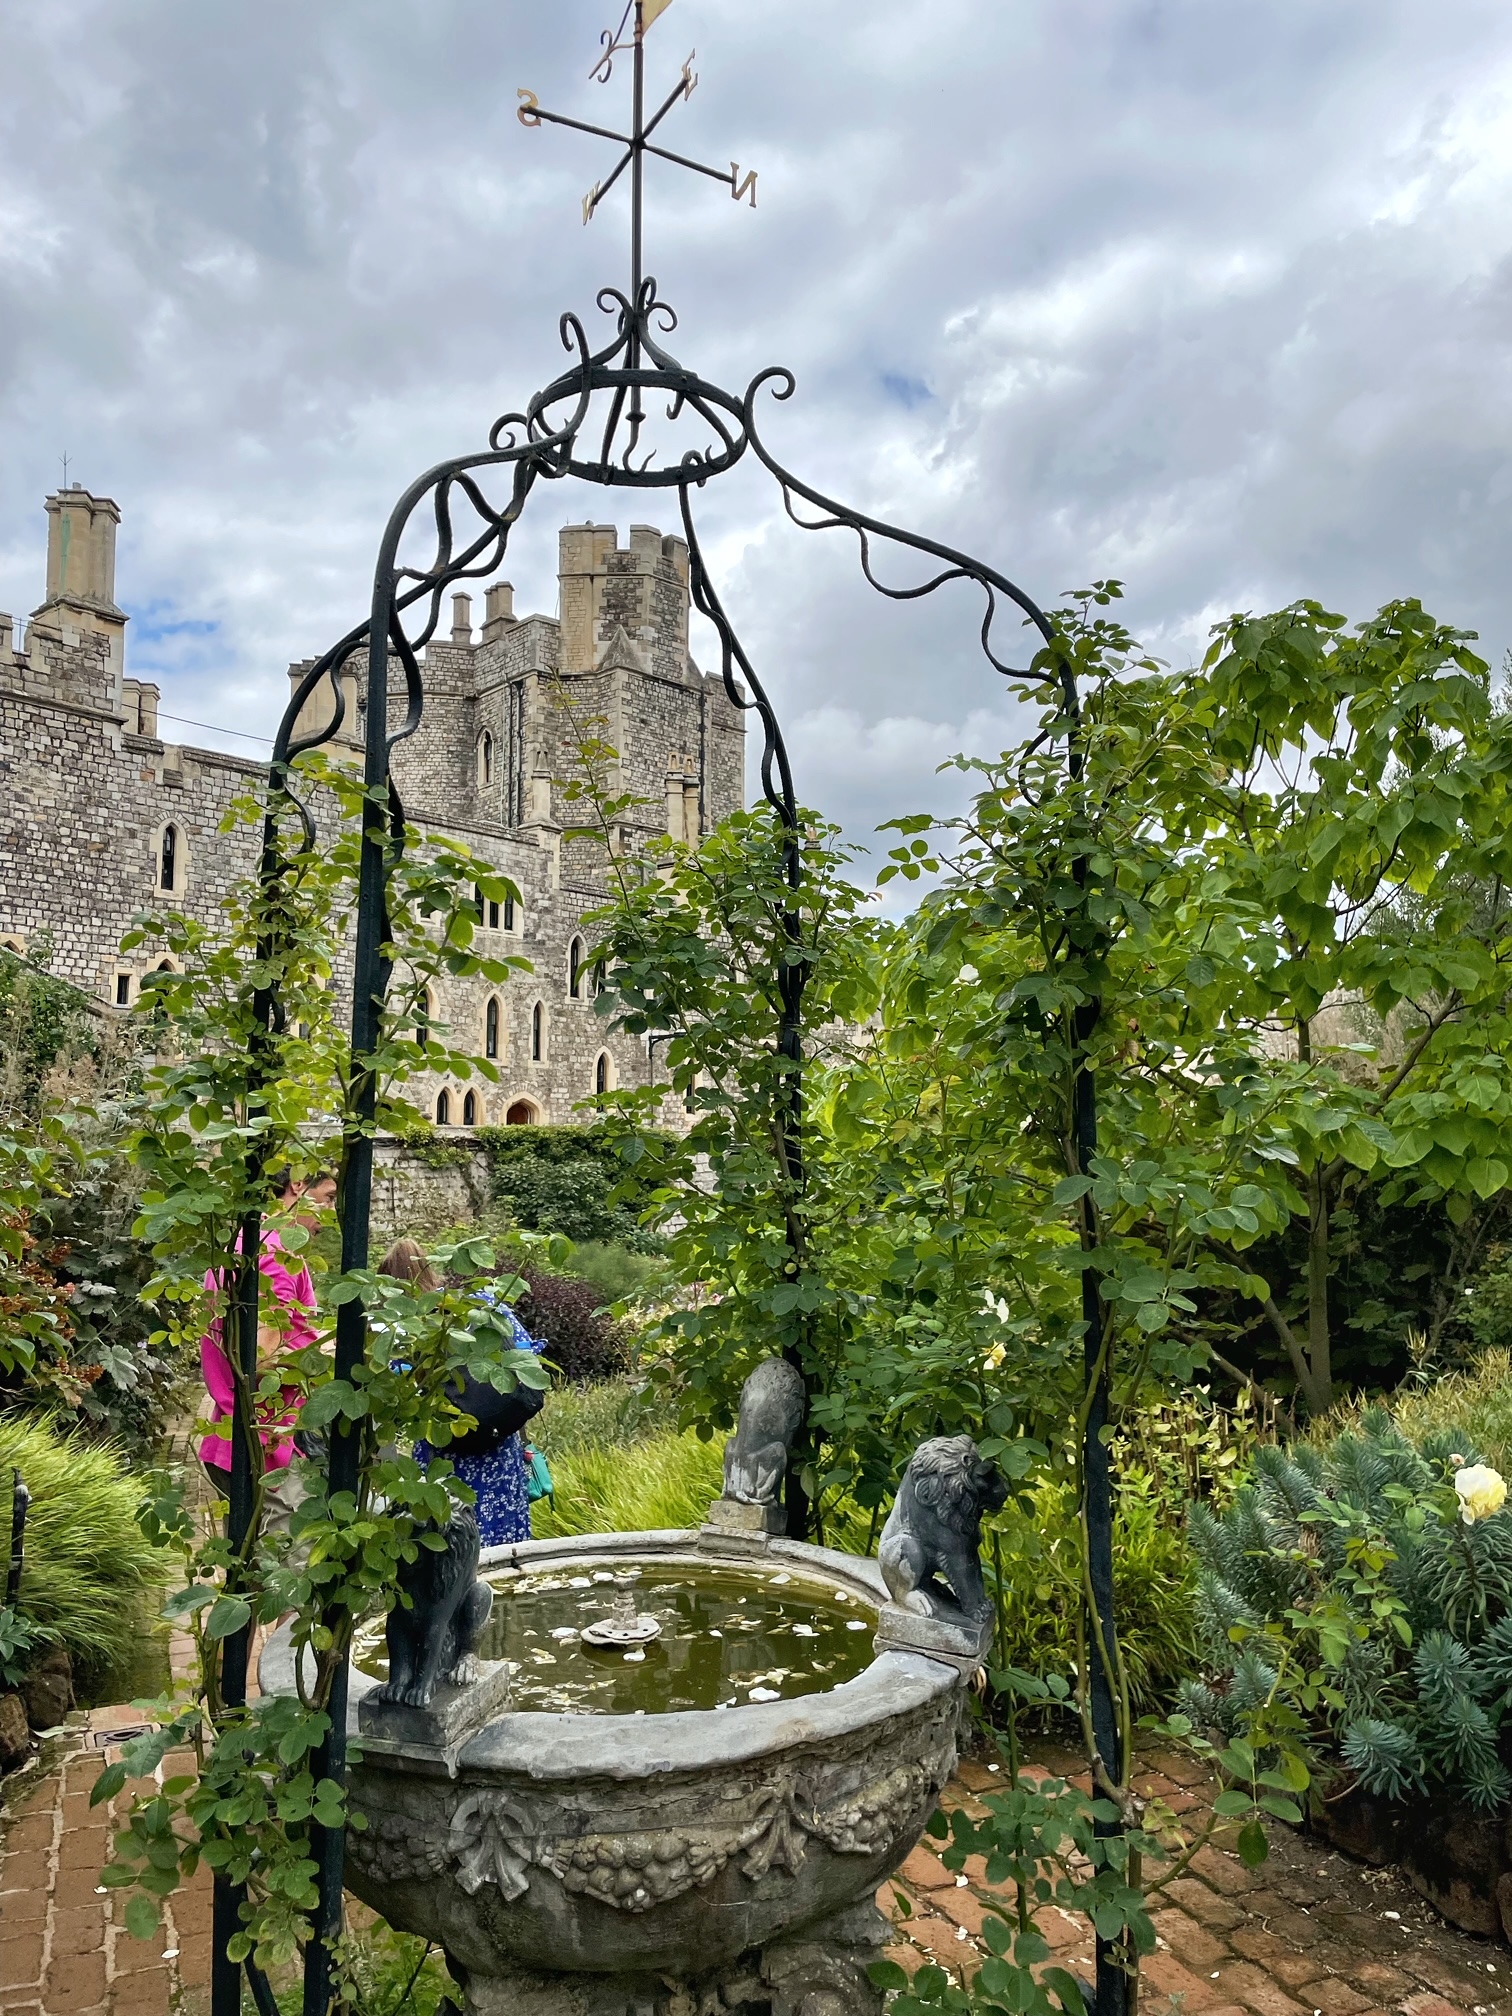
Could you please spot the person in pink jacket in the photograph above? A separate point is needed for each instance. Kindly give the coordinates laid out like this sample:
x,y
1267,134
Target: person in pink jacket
x,y
291,1327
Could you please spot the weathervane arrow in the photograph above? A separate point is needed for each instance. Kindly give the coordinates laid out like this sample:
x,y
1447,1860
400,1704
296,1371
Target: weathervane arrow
x,y
637,142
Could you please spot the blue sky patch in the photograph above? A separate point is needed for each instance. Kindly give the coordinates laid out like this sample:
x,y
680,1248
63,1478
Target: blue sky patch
x,y
909,392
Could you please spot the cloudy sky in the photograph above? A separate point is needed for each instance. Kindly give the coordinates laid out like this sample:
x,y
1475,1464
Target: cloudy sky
x,y
1212,295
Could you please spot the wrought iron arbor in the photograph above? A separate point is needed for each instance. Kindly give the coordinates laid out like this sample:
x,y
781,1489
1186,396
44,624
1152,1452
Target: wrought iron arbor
x,y
591,423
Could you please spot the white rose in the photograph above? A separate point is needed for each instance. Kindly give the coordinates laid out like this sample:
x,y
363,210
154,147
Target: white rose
x,y
1482,1491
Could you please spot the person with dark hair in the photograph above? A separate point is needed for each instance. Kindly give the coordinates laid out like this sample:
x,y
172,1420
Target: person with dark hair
x,y
286,1323
490,1459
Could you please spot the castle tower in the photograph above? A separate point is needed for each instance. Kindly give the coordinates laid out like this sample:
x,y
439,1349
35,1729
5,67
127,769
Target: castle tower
x,y
641,589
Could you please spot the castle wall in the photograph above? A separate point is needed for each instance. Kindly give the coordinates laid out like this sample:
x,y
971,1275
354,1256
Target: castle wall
x,y
86,808
91,790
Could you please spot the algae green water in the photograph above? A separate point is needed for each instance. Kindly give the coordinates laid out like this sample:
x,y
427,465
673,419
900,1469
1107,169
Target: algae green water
x,y
727,1637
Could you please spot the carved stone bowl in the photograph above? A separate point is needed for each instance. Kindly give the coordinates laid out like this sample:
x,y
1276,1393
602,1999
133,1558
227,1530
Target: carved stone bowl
x,y
658,1845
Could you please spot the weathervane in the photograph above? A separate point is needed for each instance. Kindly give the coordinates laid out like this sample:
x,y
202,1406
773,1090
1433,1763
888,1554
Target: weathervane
x,y
637,142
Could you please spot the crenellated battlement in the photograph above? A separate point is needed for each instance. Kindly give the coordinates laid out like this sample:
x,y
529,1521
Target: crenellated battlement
x,y
105,818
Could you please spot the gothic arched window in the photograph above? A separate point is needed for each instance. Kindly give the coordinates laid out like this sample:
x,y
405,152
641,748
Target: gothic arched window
x,y
470,1109
443,1109
168,859
491,1027
423,1021
575,969
485,758
601,1072
537,1033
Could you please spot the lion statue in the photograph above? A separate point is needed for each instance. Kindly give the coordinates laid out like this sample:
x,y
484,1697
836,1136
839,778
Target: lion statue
x,y
771,1413
431,1639
935,1529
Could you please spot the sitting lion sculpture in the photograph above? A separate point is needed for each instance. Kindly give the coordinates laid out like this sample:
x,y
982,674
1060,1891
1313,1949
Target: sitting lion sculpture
x,y
431,1639
935,1529
771,1413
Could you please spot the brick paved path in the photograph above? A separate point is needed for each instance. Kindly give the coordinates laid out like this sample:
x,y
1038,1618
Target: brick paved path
x,y
63,1948
1310,1934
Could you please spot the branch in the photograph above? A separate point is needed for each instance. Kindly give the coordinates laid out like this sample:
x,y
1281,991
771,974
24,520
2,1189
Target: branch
x,y
1294,1350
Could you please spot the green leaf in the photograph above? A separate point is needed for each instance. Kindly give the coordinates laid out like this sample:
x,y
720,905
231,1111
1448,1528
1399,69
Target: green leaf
x,y
141,1917
106,1786
1283,1809
886,1975
227,1614
1252,1844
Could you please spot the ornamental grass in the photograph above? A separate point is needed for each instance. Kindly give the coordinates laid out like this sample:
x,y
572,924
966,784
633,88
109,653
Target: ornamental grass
x,y
91,1577
660,1481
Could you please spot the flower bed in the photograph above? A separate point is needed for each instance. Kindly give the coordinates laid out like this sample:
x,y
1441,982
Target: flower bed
x,y
1357,1596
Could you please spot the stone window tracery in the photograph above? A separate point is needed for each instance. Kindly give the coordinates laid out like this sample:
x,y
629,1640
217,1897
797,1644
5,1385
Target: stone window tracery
x,y
170,860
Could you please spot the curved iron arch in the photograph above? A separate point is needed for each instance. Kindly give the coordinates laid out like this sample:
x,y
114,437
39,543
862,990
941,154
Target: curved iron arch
x,y
541,442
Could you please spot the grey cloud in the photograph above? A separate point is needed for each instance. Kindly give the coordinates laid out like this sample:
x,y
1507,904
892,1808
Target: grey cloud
x,y
1213,298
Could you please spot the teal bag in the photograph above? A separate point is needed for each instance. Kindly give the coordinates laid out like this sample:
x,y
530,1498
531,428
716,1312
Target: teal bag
x,y
538,1476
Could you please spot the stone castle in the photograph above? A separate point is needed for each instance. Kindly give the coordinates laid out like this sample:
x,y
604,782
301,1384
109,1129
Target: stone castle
x,y
105,817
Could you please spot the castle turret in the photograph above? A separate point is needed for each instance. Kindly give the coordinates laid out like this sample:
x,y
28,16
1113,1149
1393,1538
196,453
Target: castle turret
x,y
641,589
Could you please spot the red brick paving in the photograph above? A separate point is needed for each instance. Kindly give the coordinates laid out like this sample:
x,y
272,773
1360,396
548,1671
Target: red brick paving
x,y
64,1949
1307,1935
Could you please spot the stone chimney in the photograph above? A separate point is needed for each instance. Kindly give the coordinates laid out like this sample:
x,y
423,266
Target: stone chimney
x,y
81,536
461,632
498,610
139,704
320,706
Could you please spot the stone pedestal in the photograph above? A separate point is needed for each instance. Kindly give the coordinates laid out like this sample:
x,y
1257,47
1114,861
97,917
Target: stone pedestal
x,y
454,1717
961,1642
731,1522
818,1971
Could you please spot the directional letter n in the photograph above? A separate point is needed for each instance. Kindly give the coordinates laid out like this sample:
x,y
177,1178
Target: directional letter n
x,y
739,188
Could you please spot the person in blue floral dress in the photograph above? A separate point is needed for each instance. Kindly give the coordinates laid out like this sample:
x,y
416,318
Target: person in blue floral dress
x,y
500,1481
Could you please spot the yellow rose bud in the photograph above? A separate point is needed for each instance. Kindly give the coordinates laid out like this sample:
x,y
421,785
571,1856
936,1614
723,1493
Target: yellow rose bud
x,y
1481,1490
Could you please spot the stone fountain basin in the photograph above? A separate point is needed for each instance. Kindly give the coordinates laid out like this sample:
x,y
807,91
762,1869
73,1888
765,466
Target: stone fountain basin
x,y
663,1843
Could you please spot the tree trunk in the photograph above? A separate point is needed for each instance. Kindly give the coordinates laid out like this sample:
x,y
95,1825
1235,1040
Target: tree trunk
x,y
1320,1382
1317,1388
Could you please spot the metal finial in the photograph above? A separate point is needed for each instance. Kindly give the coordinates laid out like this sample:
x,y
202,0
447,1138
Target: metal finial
x,y
637,142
